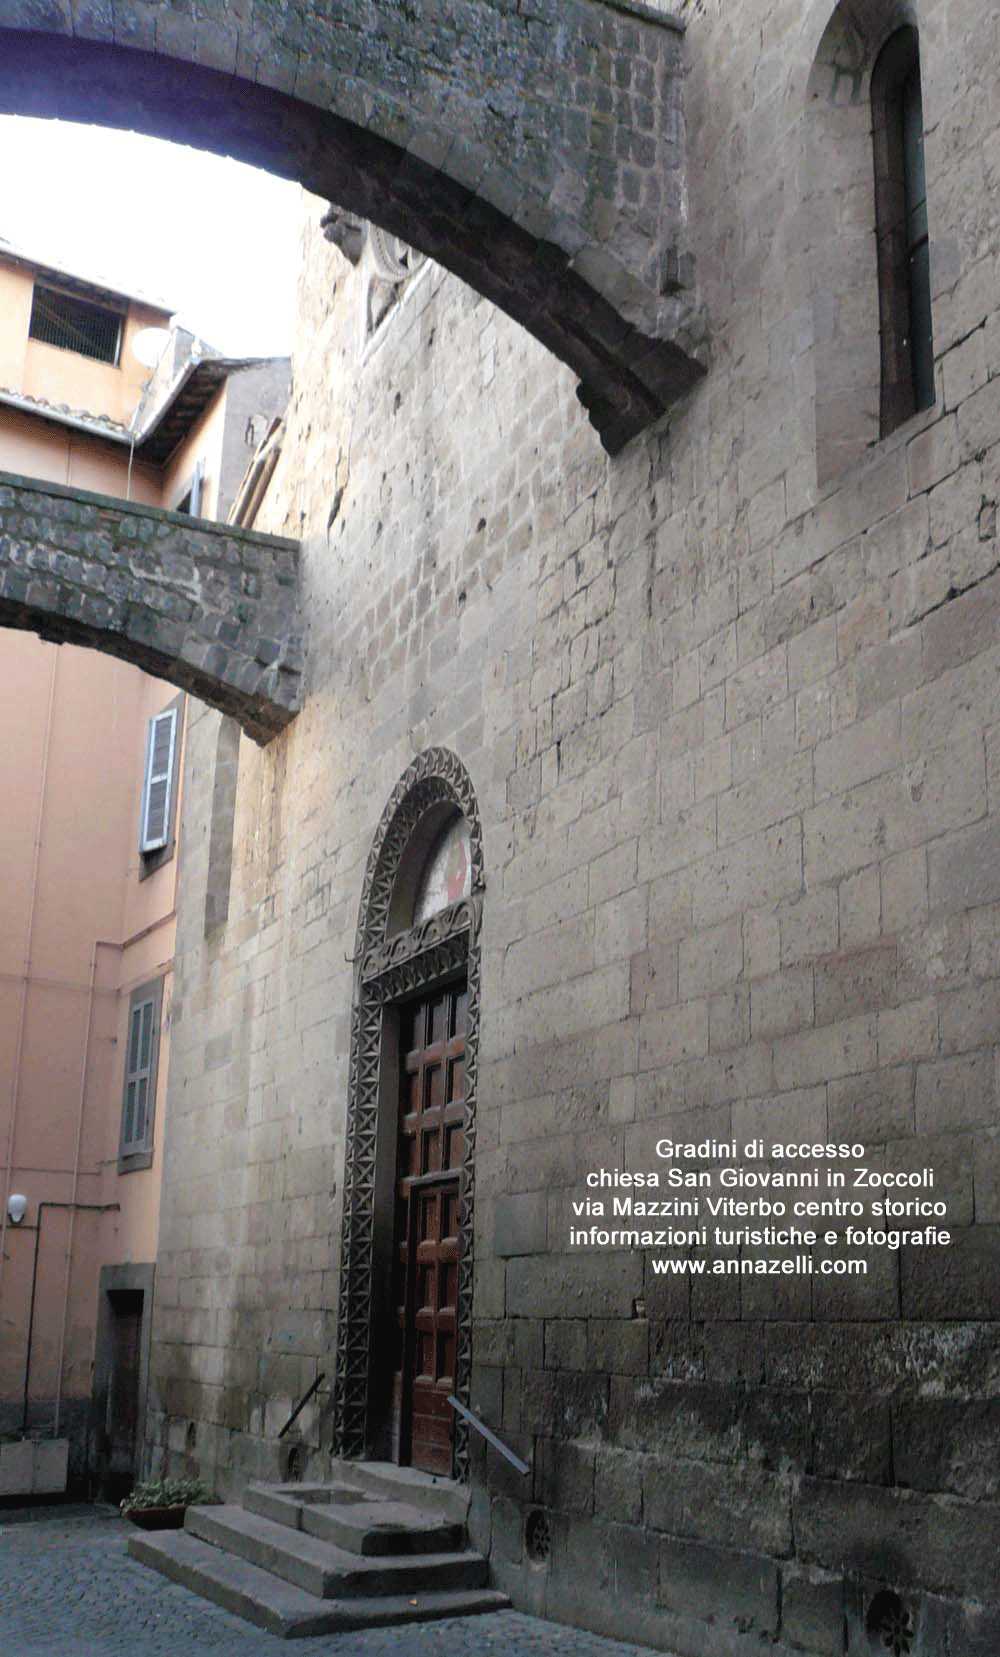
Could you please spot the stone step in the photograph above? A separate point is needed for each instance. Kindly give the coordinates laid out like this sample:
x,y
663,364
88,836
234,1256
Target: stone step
x,y
429,1491
324,1569
370,1527
377,1528
281,1608
284,1503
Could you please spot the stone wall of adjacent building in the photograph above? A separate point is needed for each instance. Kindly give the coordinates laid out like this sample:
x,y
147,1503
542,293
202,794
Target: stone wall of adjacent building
x,y
211,609
734,738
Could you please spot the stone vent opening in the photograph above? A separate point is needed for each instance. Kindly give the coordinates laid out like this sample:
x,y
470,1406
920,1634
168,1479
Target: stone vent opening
x,y
294,1458
890,1625
538,1537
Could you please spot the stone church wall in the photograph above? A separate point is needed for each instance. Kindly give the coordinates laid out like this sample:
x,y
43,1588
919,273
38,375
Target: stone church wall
x,y
734,738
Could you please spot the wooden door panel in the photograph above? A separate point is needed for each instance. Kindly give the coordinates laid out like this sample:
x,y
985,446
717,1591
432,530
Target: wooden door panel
x,y
122,1417
429,1160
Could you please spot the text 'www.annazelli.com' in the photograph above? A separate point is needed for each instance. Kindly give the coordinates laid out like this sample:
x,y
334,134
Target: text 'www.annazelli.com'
x,y
798,1265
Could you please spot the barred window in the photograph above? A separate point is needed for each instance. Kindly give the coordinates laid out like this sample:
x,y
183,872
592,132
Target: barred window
x,y
75,324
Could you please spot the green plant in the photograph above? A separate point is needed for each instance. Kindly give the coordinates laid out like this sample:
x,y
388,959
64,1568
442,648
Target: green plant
x,y
168,1493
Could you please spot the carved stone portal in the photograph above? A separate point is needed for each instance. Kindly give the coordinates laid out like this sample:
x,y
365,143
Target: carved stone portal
x,y
391,964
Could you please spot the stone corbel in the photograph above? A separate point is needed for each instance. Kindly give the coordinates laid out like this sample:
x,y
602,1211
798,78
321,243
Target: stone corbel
x,y
346,231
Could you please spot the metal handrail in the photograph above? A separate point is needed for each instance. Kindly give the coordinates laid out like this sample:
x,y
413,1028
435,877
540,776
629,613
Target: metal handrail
x,y
490,1437
303,1401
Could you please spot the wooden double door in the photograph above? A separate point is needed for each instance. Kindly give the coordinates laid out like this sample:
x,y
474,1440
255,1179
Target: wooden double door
x,y
426,1238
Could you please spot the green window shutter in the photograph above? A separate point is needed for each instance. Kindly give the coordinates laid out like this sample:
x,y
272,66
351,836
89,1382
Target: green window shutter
x,y
141,1054
154,822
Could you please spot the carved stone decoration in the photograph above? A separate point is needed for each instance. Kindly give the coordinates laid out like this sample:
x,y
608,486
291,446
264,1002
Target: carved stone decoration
x,y
387,264
386,969
393,260
409,948
346,231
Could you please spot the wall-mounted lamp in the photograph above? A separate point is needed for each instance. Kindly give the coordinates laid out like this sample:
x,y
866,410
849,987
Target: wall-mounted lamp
x,y
17,1206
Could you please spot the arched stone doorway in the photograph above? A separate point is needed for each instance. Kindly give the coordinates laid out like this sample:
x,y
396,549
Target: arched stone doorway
x,y
405,1301
555,187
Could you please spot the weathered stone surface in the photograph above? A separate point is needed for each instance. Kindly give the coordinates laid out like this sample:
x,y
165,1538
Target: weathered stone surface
x,y
943,1544
812,1611
158,589
947,1444
521,1226
720,1586
736,851
852,1437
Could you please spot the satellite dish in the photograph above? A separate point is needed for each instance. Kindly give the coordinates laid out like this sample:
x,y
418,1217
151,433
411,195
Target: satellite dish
x,y
149,344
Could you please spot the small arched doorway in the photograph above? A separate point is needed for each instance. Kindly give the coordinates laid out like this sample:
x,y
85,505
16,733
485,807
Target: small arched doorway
x,y
404,1324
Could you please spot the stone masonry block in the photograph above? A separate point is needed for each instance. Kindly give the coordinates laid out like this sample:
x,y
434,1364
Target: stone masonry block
x,y
948,1546
710,960
720,1585
872,1107
812,1611
955,1093
960,1281
618,1485
782,1002
674,1417
941,791
855,981
964,871
852,1437
736,1506
768,868
948,1444
17,1468
521,1224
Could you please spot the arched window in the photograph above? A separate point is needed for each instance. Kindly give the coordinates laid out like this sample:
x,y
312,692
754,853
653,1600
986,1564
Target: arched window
x,y
907,347
444,879
865,229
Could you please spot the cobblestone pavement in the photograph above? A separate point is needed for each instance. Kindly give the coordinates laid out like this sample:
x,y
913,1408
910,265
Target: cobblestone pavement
x,y
68,1589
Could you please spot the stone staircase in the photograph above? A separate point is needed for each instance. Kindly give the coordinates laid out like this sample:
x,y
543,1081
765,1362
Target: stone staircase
x,y
381,1545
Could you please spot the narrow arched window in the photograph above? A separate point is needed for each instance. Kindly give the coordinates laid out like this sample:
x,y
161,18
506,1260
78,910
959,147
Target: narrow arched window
x,y
907,347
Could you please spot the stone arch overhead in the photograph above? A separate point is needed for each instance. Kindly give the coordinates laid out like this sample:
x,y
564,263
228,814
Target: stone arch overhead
x,y
210,608
539,153
387,968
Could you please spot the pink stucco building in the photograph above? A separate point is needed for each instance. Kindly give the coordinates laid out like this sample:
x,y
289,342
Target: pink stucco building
x,y
91,754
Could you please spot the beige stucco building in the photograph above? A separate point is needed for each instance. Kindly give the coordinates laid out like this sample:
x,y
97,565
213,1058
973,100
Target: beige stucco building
x,y
92,752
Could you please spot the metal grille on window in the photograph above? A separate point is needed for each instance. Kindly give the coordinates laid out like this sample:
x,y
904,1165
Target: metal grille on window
x,y
155,818
75,324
